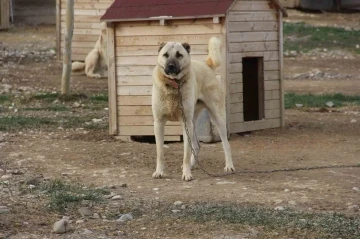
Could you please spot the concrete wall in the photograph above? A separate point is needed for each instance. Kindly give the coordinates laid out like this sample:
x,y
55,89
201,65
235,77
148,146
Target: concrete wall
x,y
34,12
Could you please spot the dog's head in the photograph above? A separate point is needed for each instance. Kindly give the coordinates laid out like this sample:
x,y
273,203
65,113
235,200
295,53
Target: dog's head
x,y
174,59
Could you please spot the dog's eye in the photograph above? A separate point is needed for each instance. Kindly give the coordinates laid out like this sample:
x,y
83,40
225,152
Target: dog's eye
x,y
178,55
166,55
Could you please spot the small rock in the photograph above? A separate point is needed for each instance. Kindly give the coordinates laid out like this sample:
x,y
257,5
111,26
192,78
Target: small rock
x,y
302,220
292,202
178,203
4,210
86,232
85,212
353,121
66,217
6,176
76,105
117,197
356,189
354,208
156,189
123,185
176,211
126,217
143,228
286,190
299,105
279,208
120,221
61,226
33,181
166,146
330,104
357,46
32,186
183,207
79,221
96,216
97,120
15,155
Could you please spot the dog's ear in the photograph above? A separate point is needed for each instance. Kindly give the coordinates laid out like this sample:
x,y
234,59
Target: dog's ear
x,y
186,46
161,46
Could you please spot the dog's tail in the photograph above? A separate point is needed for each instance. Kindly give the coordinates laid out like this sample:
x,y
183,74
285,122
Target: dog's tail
x,y
214,58
78,68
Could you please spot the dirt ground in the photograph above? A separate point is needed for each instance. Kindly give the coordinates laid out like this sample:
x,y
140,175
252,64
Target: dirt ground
x,y
310,138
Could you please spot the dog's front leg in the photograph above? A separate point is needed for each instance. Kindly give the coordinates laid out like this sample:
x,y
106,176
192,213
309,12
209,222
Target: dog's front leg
x,y
159,136
187,150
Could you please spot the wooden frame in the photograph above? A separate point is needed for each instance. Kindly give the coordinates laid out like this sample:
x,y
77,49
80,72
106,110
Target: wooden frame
x,y
112,88
4,14
281,62
58,29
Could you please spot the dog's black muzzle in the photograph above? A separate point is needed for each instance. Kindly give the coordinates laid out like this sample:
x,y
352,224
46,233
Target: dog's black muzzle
x,y
172,68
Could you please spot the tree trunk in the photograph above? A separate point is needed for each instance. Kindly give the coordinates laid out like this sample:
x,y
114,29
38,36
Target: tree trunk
x,y
65,79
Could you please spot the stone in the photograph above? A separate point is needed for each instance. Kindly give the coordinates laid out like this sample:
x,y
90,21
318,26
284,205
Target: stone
x,y
6,177
353,121
33,181
354,208
123,185
61,226
178,203
356,189
117,197
126,217
183,207
156,189
279,208
79,221
15,155
4,210
76,105
330,104
85,212
292,203
176,211
286,190
86,232
96,216
120,221
299,105
97,120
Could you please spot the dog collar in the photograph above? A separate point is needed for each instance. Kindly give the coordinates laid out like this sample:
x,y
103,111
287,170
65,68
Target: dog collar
x,y
173,83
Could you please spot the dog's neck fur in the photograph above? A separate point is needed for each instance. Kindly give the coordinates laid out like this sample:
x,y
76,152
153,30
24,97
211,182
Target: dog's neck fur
x,y
173,83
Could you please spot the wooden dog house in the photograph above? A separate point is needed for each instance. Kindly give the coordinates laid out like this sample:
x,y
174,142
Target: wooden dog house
x,y
87,27
251,32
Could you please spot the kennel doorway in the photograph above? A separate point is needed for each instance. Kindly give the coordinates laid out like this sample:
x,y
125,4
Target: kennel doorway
x,y
253,88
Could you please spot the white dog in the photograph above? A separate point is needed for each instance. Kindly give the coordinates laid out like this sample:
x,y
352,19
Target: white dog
x,y
95,61
199,88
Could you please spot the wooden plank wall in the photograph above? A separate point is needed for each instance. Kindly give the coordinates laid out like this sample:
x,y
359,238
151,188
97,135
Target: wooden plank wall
x,y
253,31
137,45
4,14
87,26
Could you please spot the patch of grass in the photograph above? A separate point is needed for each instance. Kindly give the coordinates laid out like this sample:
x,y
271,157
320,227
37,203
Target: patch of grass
x,y
303,37
49,108
64,195
9,123
48,97
99,98
325,225
4,98
309,100
19,122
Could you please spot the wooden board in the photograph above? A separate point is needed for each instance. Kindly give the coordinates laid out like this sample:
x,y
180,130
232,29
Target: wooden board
x,y
86,25
253,36
253,16
140,120
253,47
148,130
113,130
255,125
253,26
4,14
253,6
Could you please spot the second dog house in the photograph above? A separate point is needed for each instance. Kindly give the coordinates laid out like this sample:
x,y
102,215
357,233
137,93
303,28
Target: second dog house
x,y
251,32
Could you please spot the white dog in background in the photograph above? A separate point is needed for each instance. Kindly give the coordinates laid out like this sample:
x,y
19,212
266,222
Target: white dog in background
x,y
199,88
95,64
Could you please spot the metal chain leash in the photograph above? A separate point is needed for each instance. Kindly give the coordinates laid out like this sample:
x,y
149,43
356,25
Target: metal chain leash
x,y
246,171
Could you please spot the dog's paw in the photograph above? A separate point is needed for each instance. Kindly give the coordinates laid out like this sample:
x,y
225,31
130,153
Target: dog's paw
x,y
157,174
187,177
229,169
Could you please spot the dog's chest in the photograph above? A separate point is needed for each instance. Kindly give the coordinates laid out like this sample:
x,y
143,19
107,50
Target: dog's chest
x,y
170,104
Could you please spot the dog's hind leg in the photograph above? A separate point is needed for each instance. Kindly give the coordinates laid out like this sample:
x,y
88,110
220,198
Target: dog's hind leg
x,y
91,62
159,137
195,142
218,116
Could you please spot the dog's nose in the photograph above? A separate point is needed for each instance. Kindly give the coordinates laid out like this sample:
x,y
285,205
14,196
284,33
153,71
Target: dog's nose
x,y
171,66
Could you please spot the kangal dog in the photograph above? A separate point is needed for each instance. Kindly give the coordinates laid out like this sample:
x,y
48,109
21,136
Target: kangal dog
x,y
199,88
95,64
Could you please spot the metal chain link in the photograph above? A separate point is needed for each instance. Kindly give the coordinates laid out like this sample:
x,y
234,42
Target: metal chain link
x,y
246,171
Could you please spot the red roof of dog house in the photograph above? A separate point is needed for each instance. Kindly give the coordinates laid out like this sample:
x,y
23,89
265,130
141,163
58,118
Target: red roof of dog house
x,y
133,10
